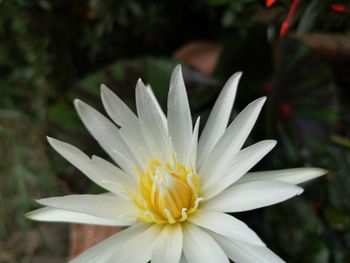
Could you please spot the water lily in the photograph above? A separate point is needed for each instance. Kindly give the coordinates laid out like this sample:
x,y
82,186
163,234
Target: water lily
x,y
170,189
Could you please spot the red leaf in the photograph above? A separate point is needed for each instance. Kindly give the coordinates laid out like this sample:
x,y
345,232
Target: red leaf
x,y
270,2
286,22
284,28
340,8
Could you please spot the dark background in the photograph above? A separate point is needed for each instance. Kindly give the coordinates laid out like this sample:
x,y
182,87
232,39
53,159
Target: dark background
x,y
54,51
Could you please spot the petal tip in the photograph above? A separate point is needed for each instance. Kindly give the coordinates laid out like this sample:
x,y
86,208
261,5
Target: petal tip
x,y
104,89
105,93
178,68
315,171
176,77
261,101
140,84
300,191
38,201
78,104
29,215
82,108
322,171
234,79
52,141
271,143
238,74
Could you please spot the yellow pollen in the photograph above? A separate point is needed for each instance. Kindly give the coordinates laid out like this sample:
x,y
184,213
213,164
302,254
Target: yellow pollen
x,y
166,193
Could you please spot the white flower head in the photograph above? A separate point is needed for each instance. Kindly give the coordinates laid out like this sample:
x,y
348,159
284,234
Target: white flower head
x,y
172,190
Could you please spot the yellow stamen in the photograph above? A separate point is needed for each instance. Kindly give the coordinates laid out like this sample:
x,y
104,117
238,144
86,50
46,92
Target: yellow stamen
x,y
166,193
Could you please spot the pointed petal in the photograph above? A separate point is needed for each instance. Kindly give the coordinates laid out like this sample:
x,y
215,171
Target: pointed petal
x,y
98,170
200,247
106,133
251,195
292,176
156,103
133,137
245,253
130,130
226,225
117,179
179,116
232,140
50,214
238,166
193,145
153,128
123,245
218,118
106,206
168,245
120,113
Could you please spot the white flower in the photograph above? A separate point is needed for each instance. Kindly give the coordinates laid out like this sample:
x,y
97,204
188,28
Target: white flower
x,y
170,188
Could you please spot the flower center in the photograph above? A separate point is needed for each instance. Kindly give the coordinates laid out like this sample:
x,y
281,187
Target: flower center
x,y
167,194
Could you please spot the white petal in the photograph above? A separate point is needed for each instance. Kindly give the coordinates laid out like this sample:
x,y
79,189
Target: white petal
x,y
50,214
179,116
98,170
218,118
120,113
232,141
156,103
168,245
107,135
226,225
132,245
193,146
245,253
108,167
238,166
107,206
200,247
130,127
118,179
133,137
183,259
292,176
251,195
152,125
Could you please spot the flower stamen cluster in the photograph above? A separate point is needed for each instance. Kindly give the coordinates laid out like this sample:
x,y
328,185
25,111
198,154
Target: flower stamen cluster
x,y
166,193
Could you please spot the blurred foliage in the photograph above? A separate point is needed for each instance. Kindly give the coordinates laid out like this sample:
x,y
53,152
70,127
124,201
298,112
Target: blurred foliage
x,y
54,51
